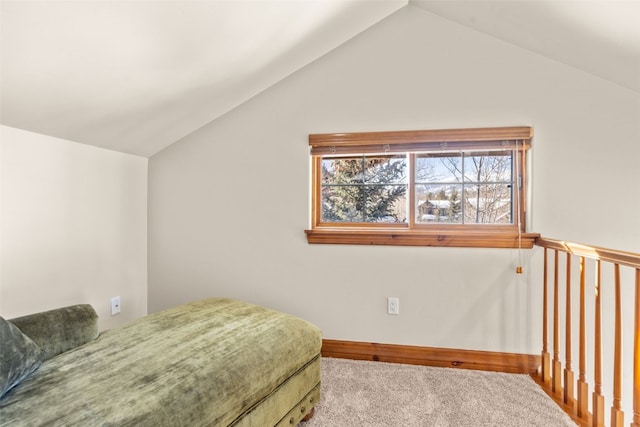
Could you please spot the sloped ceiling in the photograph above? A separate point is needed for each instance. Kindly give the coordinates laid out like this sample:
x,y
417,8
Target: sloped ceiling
x,y
136,76
600,37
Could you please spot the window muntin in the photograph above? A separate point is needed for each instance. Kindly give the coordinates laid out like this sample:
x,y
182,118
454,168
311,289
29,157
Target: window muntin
x,y
463,187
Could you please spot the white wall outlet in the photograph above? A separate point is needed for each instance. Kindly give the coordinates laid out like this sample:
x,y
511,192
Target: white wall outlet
x,y
393,305
115,305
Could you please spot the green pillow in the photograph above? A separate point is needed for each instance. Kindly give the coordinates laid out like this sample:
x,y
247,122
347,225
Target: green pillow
x,y
19,356
61,329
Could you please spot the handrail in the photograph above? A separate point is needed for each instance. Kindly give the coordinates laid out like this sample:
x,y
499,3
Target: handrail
x,y
628,259
560,383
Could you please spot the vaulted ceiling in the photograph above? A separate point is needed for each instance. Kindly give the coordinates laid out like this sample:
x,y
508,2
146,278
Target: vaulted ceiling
x,y
136,76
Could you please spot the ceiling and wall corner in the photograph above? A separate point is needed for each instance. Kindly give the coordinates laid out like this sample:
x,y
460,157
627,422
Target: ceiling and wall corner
x,y
137,76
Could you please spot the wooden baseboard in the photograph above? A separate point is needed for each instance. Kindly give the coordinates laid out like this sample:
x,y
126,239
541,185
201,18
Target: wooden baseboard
x,y
432,356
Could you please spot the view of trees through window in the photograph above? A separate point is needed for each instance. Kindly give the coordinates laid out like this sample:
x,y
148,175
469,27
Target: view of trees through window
x,y
450,187
364,189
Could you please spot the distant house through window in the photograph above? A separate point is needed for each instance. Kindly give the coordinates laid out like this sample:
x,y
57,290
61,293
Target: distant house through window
x,y
462,187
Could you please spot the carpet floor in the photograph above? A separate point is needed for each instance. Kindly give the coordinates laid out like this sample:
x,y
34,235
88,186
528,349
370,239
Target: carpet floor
x,y
377,394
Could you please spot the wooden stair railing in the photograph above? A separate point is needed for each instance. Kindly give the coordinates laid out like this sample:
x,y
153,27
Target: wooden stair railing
x,y
559,383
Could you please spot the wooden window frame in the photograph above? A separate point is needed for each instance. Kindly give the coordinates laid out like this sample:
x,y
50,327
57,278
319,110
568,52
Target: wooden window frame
x,y
516,139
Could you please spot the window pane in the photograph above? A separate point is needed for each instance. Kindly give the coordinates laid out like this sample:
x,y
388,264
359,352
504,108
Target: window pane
x,y
342,170
438,168
364,189
342,204
487,167
385,169
438,203
488,204
386,203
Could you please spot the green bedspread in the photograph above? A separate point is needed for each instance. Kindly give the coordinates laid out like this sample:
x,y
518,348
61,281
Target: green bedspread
x,y
204,363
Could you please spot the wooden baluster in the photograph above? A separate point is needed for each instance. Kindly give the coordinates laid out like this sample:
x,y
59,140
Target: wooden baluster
x,y
546,373
588,406
598,398
556,386
569,398
617,415
636,355
583,386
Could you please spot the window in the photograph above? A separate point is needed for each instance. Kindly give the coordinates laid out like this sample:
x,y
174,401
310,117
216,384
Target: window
x,y
464,187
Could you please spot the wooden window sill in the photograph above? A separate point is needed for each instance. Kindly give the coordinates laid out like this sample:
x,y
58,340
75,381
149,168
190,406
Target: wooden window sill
x,y
396,237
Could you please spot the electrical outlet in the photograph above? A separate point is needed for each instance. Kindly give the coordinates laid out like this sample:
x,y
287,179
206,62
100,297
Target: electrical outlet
x,y
393,305
115,305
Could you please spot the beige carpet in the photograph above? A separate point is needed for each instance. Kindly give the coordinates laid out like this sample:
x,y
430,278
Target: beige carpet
x,y
377,394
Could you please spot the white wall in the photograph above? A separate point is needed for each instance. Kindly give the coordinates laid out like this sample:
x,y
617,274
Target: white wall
x,y
73,227
229,204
